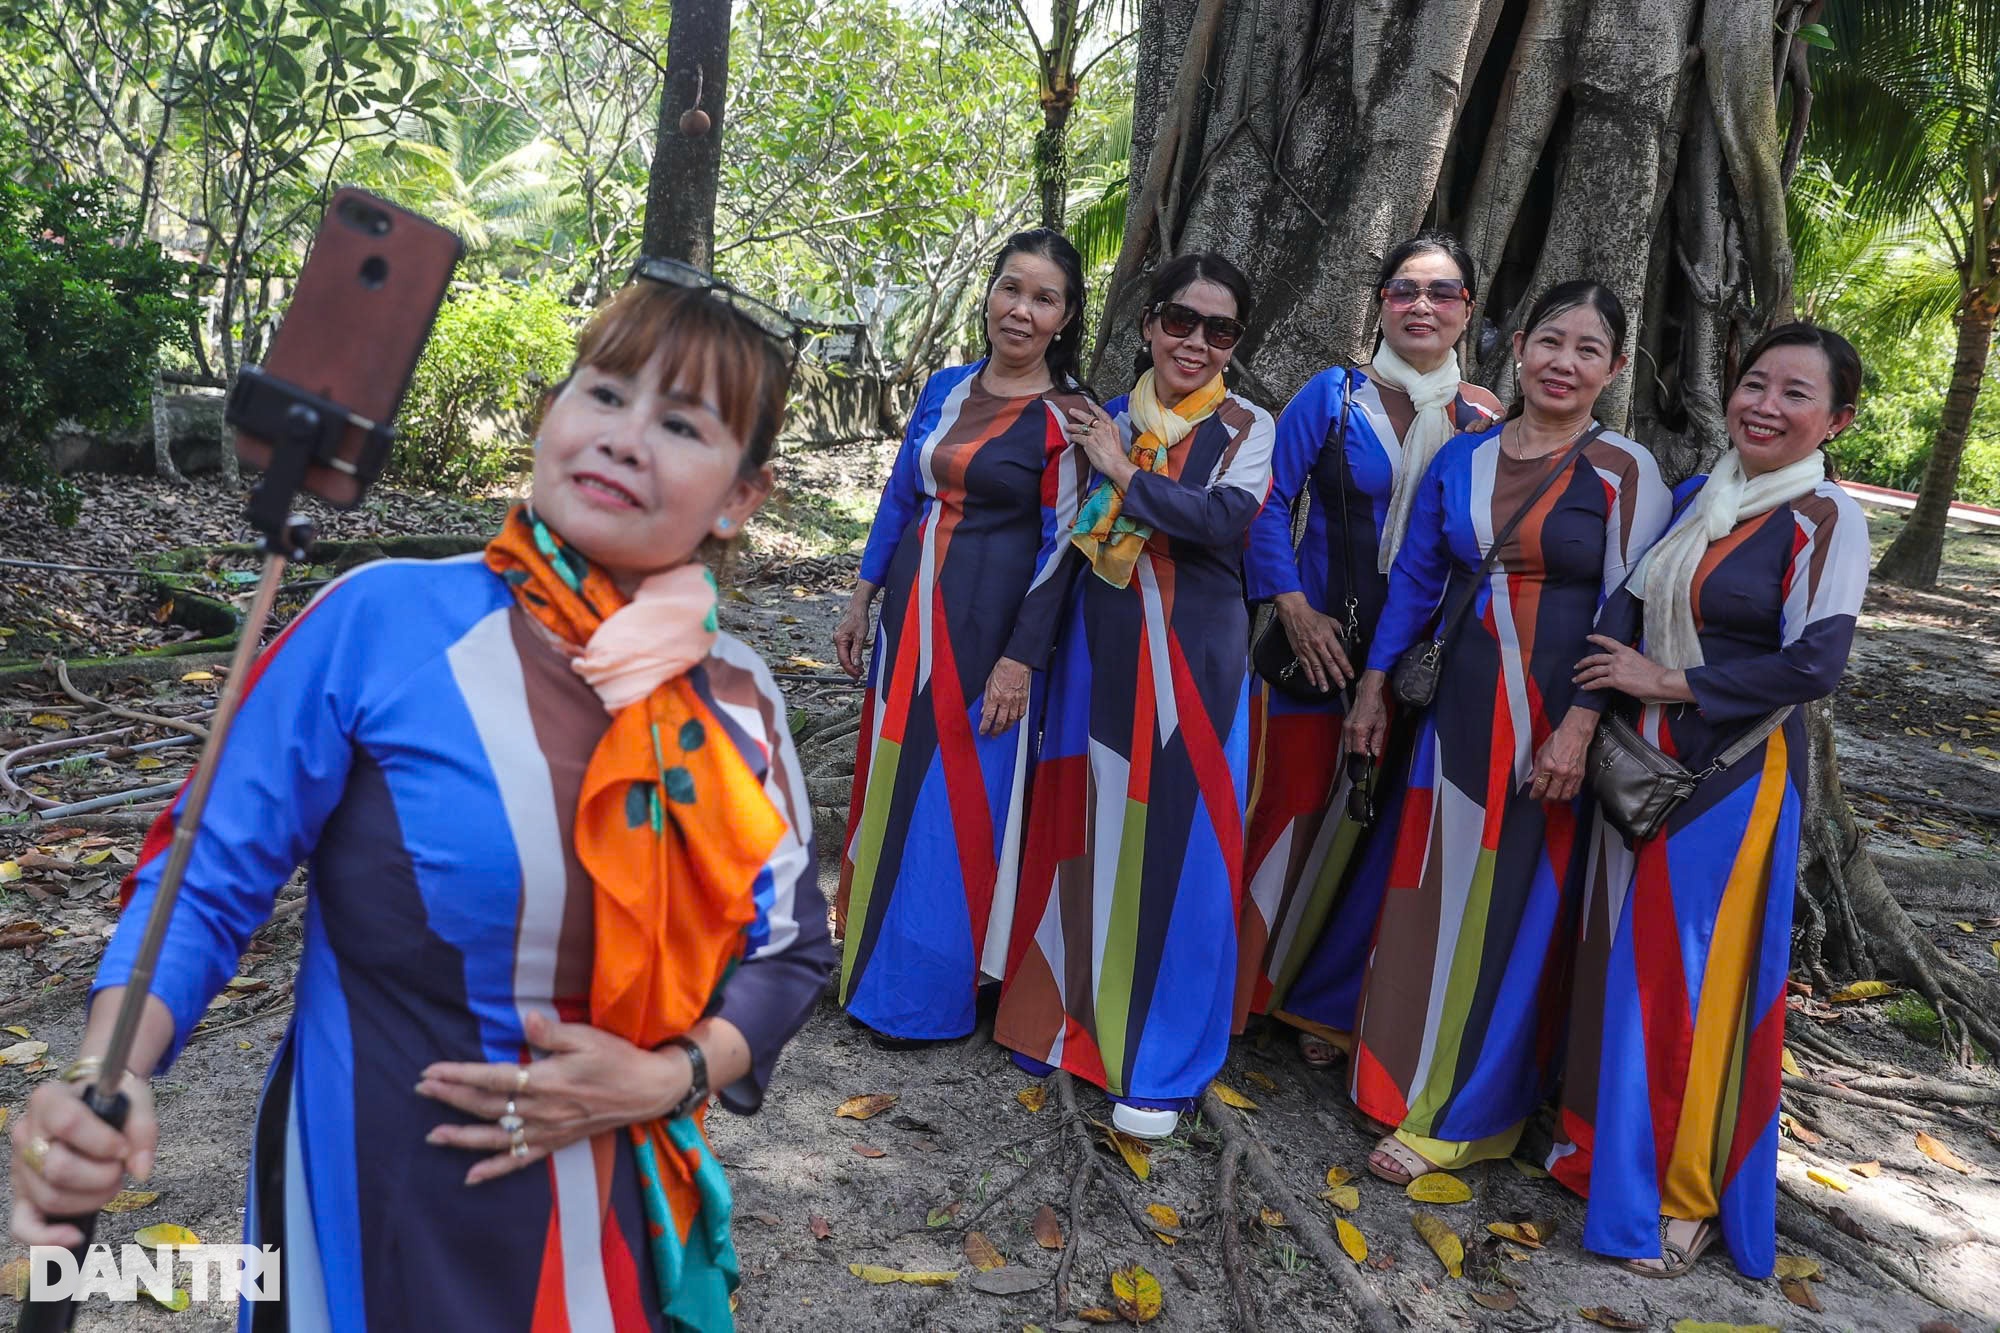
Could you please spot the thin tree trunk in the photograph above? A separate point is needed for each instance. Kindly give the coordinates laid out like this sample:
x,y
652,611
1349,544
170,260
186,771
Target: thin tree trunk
x,y
1052,153
163,434
681,187
1912,559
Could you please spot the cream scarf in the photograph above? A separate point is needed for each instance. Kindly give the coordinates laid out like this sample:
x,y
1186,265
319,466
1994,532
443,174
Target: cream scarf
x,y
1432,395
1665,578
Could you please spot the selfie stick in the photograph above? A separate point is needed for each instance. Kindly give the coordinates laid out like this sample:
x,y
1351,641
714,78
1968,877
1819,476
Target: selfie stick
x,y
303,429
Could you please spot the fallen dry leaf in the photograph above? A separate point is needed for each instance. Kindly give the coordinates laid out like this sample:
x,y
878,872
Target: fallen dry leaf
x,y
1347,1198
1844,1221
1048,1231
1517,1254
871,1273
164,1233
1338,1175
981,1252
870,1150
1862,990
1800,1294
1868,1169
1097,1314
1006,1281
1534,1235
1444,1242
1134,1151
1034,1098
1502,1301
1272,1218
1166,1217
9,872
866,1105
17,1030
14,1278
1259,1079
1438,1187
1797,1266
942,1217
24,1052
819,1227
1351,1239
1532,1170
1928,1146
49,721
1791,1128
1231,1097
1136,1293
1790,1062
1831,1182
1610,1318
126,1201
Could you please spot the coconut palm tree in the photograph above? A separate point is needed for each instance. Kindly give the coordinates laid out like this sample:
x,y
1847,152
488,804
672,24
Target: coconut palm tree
x,y
1907,119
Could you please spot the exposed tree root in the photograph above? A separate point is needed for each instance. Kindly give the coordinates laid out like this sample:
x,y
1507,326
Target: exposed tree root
x,y
1089,1167
1239,1139
1901,1109
1806,1222
1034,1166
1928,1089
1228,1217
60,669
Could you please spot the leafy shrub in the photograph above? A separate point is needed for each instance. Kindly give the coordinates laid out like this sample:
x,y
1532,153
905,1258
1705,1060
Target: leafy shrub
x,y
1902,398
494,351
83,316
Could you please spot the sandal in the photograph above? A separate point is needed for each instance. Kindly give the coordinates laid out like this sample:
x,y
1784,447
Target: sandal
x,y
1676,1260
1318,1052
1408,1161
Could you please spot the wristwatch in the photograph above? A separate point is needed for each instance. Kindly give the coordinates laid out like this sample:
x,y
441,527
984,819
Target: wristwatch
x,y
697,1092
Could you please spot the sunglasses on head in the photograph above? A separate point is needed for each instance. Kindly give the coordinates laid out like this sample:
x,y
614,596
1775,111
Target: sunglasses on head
x,y
766,318
1180,321
1402,293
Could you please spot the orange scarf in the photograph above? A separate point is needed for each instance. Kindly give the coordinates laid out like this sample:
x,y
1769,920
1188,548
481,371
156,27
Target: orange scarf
x,y
674,830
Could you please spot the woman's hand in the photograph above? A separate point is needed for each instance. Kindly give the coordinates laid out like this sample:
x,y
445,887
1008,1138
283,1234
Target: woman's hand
x,y
1558,770
850,636
1099,438
1316,640
591,1082
1006,699
1624,668
68,1163
1367,725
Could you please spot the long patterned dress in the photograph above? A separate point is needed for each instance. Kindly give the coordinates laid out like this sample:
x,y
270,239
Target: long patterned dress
x,y
415,739
1314,876
1123,960
1463,1006
928,876
1670,1099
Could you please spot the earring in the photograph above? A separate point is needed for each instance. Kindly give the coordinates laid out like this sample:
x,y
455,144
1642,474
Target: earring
x,y
723,525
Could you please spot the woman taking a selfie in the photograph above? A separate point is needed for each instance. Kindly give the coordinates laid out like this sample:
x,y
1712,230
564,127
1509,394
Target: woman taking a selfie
x,y
1517,536
1742,612
561,883
1123,960
934,830
1355,441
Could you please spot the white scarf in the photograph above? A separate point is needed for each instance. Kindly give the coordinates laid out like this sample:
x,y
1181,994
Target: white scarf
x,y
1665,577
1432,395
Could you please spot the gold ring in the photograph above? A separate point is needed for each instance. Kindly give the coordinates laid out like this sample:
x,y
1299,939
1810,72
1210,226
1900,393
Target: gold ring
x,y
520,1079
36,1153
517,1142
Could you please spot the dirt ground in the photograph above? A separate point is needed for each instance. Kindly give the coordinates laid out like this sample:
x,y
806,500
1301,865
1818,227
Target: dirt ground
x,y
958,1151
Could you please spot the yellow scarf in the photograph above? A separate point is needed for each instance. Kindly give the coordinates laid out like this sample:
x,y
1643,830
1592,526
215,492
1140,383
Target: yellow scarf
x,y
1107,538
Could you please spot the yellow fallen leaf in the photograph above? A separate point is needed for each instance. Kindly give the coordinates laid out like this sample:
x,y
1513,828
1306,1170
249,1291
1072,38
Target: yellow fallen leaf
x,y
1831,1182
1517,1254
9,871
165,1233
1789,1126
1258,1078
1097,1314
242,1045
1861,990
1347,1198
1351,1240
1868,1169
127,1201
981,1251
52,721
1272,1218
1994,948
866,1105
1966,926
1800,1294
1790,1063
1137,1294
196,676
1048,1231
24,1053
1444,1242
1793,1265
1338,1175
1438,1187
1133,1151
1532,1170
871,1273
5,1115
14,1278
1928,1146
1166,1217
146,763
1534,1235
18,1031
1231,1097
1034,1098
97,858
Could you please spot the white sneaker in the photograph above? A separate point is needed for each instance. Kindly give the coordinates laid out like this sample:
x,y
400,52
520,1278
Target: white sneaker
x,y
1143,1124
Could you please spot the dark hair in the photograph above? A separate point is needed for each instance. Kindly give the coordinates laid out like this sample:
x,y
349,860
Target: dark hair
x,y
701,340
1843,363
1182,272
1065,351
1564,297
1430,242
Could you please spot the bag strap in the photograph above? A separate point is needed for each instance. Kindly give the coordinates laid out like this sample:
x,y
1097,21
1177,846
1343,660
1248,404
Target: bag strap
x,y
1450,621
1751,739
1339,441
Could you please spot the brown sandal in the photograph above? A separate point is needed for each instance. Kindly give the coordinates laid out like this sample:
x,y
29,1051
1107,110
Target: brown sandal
x,y
1674,1260
1409,1162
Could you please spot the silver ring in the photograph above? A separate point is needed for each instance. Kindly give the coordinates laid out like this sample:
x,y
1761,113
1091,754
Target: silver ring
x,y
511,1120
517,1140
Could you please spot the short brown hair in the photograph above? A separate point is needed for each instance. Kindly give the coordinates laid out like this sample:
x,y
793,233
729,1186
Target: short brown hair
x,y
704,342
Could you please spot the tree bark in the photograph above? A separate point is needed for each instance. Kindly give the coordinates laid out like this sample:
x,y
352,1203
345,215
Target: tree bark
x,y
1912,559
681,186
1052,153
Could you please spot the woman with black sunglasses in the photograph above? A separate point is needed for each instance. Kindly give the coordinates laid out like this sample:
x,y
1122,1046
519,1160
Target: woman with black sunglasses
x,y
1350,448
928,872
1122,970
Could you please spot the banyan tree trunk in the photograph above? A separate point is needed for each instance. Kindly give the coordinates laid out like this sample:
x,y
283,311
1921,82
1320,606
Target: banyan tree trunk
x,y
1645,143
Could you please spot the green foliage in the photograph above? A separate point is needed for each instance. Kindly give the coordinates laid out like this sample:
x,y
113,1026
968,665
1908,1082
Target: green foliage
x,y
83,316
493,353
1902,398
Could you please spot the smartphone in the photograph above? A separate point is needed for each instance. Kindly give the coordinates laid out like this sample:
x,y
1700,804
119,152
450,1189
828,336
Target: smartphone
x,y
359,317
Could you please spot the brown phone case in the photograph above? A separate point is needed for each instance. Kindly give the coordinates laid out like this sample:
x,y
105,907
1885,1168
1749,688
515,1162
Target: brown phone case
x,y
363,307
